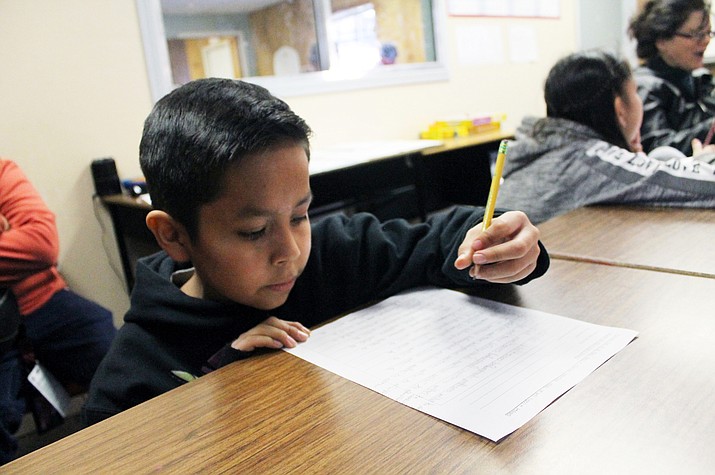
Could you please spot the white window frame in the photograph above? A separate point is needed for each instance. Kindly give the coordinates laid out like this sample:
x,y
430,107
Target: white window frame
x,y
160,78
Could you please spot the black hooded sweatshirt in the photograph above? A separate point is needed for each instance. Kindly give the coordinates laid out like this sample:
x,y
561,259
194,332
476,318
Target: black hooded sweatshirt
x,y
353,261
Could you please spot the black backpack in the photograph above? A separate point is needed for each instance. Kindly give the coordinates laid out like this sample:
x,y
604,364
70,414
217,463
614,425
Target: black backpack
x,y
9,320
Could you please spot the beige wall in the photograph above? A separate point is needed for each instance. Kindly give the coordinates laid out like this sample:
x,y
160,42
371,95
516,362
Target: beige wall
x,y
74,87
401,112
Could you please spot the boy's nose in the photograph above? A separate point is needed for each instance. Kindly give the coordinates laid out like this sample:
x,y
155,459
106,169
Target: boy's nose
x,y
286,248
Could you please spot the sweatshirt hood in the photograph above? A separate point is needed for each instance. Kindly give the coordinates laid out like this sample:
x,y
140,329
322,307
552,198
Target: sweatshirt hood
x,y
159,302
538,136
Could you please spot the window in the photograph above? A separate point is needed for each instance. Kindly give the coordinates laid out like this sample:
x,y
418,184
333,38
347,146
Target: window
x,y
354,38
292,47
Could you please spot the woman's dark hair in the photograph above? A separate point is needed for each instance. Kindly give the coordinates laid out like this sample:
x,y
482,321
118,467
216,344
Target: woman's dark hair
x,y
661,19
583,86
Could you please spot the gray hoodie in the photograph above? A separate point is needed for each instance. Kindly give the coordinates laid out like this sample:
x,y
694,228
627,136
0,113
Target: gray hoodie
x,y
556,165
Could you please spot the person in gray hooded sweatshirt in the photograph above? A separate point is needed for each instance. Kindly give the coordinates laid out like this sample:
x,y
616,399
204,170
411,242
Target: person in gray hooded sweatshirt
x,y
587,149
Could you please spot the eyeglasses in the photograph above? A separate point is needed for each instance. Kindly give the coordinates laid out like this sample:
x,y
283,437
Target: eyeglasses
x,y
699,36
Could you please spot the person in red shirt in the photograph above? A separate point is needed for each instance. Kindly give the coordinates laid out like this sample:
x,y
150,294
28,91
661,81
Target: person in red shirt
x,y
68,334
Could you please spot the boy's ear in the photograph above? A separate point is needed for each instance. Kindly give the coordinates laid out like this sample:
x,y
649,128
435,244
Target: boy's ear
x,y
621,113
170,234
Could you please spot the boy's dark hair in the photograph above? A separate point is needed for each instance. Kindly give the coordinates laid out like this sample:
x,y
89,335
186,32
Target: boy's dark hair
x,y
583,86
197,131
661,19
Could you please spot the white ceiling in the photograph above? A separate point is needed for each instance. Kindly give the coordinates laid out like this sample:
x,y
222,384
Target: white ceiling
x,y
190,7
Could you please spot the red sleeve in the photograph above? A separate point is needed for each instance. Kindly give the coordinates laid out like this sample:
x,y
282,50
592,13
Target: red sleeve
x,y
31,244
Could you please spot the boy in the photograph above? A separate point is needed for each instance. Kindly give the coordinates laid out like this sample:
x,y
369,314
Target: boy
x,y
226,164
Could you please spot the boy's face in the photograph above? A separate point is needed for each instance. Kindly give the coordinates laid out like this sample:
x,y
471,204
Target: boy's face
x,y
253,241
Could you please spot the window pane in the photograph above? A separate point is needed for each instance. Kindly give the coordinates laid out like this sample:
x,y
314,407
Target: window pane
x,y
354,39
396,31
345,44
270,39
284,39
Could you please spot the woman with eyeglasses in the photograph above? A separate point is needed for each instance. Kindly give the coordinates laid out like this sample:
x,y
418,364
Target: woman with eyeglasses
x,y
678,105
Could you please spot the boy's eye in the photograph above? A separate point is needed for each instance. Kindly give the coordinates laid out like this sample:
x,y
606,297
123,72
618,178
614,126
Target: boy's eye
x,y
252,235
262,232
299,219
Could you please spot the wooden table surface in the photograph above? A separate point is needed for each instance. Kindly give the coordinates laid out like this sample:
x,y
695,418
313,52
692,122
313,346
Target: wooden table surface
x,y
664,239
647,410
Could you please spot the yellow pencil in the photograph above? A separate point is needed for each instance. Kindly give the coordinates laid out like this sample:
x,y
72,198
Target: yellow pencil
x,y
494,188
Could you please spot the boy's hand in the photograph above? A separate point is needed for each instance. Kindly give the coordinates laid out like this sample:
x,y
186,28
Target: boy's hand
x,y
272,333
504,253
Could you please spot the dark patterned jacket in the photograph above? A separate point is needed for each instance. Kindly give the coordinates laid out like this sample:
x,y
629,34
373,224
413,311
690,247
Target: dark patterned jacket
x,y
677,105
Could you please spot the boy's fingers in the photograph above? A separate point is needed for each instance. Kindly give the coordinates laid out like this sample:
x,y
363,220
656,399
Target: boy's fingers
x,y
477,240
272,333
286,332
281,337
290,328
465,249
249,342
502,242
505,251
298,332
507,271
463,259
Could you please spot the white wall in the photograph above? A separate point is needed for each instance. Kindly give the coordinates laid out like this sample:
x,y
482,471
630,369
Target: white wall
x,y
74,88
604,24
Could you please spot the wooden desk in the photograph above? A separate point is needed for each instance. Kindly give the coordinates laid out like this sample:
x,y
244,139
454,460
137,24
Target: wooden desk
x,y
398,179
663,239
460,143
647,410
404,181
